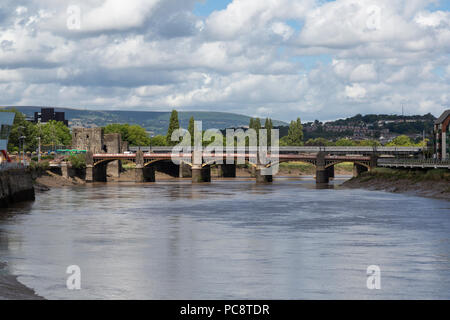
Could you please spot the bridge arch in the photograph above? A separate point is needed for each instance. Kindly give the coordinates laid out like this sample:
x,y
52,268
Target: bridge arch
x,y
104,161
358,162
151,162
313,162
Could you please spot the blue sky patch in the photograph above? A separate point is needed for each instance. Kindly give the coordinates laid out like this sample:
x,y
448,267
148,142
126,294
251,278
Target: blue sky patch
x,y
206,7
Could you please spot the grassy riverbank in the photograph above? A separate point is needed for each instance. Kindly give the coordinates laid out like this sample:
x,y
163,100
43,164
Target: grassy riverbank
x,y
302,168
433,183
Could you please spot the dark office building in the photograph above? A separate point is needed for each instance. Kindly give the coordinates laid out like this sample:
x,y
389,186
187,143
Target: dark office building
x,y
48,114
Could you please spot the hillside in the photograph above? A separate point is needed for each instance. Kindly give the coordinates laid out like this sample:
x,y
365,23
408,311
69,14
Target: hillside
x,y
382,126
156,122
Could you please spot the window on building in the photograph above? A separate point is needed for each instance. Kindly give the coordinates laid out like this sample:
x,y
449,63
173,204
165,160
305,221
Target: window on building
x,y
4,131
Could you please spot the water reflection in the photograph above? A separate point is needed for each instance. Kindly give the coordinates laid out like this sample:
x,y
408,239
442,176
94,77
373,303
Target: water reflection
x,y
229,239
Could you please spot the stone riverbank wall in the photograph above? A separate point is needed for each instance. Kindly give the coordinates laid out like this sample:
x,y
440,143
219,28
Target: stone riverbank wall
x,y
16,185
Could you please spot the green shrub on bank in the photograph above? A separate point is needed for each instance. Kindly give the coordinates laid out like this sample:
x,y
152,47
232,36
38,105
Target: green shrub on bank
x,y
43,157
78,161
127,165
43,165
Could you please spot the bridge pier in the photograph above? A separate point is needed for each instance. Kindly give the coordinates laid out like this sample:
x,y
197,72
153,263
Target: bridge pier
x,y
144,174
98,173
89,173
358,169
321,172
94,173
227,170
65,170
373,162
201,174
262,178
89,167
139,174
113,169
252,171
322,176
330,172
185,170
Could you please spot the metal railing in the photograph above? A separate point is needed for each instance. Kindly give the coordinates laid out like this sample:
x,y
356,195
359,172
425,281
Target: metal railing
x,y
4,166
306,149
425,163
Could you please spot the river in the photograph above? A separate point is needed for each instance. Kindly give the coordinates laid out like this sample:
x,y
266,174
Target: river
x,y
231,239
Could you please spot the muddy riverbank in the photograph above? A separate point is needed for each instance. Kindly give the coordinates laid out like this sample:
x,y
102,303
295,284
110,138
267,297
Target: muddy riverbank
x,y
431,184
12,289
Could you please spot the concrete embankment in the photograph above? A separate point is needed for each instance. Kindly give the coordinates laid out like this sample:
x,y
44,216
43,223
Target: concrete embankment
x,y
434,183
16,185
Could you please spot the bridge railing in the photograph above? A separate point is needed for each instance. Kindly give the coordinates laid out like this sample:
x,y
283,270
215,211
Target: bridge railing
x,y
307,149
414,161
4,166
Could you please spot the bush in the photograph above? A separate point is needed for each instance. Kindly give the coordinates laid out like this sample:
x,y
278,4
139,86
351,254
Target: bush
x,y
43,165
78,161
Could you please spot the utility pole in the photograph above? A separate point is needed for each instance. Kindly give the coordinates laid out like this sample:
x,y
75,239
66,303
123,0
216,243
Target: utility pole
x,y
39,142
21,143
423,143
22,139
39,149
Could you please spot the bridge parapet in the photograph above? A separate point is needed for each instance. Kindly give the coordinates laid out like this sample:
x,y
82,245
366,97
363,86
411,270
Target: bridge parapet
x,y
310,149
414,163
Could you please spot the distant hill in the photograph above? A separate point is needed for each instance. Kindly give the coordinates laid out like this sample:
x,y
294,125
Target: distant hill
x,y
371,126
156,122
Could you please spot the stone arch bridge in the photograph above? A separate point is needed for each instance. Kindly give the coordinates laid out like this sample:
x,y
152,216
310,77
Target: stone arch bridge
x,y
323,158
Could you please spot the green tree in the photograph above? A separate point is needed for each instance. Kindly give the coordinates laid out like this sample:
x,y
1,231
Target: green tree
x,y
284,142
21,127
257,127
295,133
401,141
191,129
174,124
251,124
54,133
158,141
78,161
269,126
345,142
318,142
118,128
369,143
135,135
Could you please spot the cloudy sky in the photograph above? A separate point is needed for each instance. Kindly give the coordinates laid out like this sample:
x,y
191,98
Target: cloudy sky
x,y
280,58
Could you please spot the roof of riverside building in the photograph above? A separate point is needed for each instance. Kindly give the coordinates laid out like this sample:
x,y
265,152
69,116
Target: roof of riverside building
x,y
442,118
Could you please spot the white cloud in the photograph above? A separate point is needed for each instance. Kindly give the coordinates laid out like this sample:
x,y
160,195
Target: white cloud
x,y
363,72
255,57
117,15
282,30
355,91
